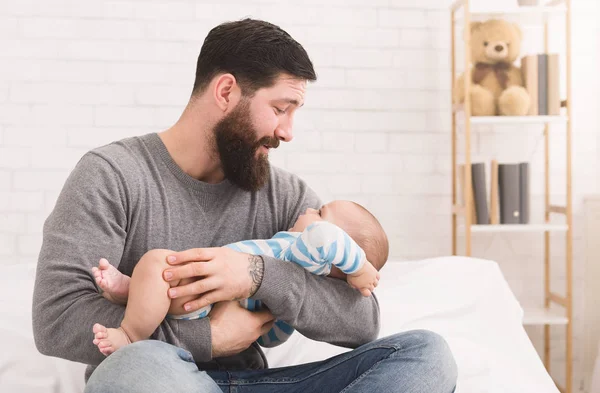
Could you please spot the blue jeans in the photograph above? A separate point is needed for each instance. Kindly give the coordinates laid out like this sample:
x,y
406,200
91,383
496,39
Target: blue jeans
x,y
417,361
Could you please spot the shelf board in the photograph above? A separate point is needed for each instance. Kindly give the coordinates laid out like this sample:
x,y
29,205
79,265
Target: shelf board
x,y
543,316
507,120
520,228
501,120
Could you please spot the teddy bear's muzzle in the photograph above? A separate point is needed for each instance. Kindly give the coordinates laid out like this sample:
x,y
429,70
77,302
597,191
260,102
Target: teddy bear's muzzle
x,y
497,51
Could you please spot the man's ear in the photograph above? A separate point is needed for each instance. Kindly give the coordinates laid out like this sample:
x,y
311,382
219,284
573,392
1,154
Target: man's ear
x,y
226,91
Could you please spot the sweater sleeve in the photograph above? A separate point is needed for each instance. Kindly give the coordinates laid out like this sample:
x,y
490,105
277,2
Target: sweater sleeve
x,y
319,307
90,221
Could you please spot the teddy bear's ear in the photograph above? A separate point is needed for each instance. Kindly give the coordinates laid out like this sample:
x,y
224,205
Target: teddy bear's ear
x,y
475,26
518,30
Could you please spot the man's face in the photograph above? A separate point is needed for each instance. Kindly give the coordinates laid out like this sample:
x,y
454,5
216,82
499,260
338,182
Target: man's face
x,y
256,125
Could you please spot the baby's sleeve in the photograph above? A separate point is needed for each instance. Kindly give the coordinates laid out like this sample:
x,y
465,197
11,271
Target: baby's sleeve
x,y
323,244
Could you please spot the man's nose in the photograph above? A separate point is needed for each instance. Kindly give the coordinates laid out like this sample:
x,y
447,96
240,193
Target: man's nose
x,y
284,134
284,129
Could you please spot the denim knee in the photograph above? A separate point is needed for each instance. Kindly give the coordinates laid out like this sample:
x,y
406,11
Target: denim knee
x,y
148,365
438,357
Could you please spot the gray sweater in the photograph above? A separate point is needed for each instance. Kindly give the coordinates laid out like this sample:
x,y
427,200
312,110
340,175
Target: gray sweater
x,y
128,197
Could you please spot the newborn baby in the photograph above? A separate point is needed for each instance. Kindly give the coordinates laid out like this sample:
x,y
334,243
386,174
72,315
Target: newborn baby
x,y
342,240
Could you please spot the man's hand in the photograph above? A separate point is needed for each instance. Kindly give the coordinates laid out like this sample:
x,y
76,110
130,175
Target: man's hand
x,y
233,328
221,274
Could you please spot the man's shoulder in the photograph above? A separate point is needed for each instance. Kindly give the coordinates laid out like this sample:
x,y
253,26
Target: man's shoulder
x,y
120,151
121,159
126,156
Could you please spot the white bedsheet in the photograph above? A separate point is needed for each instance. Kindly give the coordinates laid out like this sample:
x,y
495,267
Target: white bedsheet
x,y
469,303
466,300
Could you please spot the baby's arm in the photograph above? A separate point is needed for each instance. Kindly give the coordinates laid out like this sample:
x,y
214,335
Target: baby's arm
x,y
365,280
323,244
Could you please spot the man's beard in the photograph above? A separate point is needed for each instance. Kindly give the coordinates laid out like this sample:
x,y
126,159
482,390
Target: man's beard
x,y
236,144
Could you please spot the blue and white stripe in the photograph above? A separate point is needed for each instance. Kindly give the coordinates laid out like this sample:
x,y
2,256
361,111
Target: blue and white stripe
x,y
323,244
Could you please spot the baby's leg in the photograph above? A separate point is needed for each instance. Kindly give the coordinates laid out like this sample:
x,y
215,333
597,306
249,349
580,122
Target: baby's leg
x,y
147,306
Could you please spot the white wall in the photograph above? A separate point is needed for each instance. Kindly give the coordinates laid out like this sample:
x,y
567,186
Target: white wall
x,y
375,128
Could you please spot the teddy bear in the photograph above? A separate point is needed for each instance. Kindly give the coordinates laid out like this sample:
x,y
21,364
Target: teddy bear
x,y
496,83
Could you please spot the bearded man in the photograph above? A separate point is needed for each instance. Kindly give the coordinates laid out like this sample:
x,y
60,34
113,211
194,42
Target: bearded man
x,y
206,182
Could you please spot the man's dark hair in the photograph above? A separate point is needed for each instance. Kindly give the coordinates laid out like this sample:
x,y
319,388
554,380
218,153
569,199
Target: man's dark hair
x,y
255,52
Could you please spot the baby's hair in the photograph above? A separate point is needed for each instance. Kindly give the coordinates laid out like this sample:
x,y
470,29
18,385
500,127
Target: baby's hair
x,y
372,238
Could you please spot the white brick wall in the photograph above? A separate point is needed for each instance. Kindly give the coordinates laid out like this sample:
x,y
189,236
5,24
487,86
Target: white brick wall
x,y
375,128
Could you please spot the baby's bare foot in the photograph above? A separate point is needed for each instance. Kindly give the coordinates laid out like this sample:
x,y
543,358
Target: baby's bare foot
x,y
114,283
109,340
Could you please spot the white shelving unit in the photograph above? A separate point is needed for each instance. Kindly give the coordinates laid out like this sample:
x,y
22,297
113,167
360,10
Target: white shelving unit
x,y
542,316
520,228
520,120
545,315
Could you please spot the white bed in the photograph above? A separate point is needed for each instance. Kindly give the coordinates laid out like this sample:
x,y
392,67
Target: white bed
x,y
466,300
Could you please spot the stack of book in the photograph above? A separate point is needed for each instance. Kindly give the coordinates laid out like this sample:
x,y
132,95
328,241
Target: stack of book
x,y
541,78
508,202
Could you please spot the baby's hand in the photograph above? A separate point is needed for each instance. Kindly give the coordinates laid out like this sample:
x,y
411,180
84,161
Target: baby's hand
x,y
365,280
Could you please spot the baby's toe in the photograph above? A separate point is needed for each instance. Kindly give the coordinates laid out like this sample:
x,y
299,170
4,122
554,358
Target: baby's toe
x,y
101,335
103,283
106,350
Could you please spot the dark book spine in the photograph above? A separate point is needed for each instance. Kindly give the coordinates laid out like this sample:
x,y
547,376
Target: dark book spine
x,y
480,193
508,184
542,84
524,193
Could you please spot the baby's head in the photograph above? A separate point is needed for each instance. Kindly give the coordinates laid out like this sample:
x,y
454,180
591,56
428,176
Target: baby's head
x,y
357,222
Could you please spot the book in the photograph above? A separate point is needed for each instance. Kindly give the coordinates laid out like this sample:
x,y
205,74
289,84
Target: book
x,y
542,73
529,71
541,79
480,193
524,193
553,85
494,217
509,184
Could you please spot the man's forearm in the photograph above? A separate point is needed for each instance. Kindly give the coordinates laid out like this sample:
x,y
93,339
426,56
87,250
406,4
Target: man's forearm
x,y
321,308
256,270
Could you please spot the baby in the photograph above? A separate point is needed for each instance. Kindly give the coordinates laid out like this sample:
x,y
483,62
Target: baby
x,y
342,240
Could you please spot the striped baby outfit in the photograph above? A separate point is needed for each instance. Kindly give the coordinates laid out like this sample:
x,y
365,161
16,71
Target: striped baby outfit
x,y
321,245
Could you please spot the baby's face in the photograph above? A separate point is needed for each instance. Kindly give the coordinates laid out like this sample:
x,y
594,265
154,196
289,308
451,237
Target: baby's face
x,y
328,212
309,216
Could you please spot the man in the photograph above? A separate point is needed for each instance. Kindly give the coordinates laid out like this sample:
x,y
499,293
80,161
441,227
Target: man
x,y
206,182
